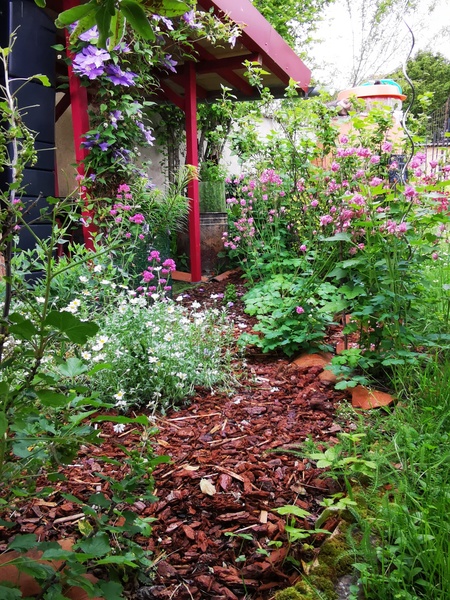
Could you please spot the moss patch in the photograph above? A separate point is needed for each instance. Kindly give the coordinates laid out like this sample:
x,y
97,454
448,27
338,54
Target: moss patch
x,y
334,561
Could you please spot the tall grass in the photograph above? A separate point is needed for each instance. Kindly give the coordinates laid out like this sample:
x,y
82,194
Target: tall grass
x,y
403,540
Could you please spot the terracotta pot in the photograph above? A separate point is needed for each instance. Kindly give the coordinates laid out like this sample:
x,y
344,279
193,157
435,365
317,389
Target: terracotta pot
x,y
29,587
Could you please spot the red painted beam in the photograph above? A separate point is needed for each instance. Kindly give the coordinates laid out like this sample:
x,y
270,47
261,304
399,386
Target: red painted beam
x,y
80,123
227,64
259,36
172,96
192,159
233,78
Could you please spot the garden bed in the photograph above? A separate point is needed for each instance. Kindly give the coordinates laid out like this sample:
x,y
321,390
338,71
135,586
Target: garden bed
x,y
224,439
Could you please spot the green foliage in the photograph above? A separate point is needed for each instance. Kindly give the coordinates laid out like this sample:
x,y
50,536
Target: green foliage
x,y
402,549
289,312
430,74
295,20
104,13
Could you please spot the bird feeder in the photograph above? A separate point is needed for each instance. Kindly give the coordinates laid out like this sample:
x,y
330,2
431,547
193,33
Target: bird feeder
x,y
382,91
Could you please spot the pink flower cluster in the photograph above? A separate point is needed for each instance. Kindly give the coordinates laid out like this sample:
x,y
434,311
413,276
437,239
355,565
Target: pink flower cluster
x,y
157,273
256,205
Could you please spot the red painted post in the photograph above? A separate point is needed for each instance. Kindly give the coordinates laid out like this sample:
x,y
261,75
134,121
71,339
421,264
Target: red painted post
x,y
80,123
192,159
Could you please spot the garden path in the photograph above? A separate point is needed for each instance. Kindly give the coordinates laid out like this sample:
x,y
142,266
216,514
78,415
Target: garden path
x,y
216,535
226,440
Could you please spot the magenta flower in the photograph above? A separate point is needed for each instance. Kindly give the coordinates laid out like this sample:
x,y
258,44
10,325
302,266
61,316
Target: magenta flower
x,y
386,147
435,256
410,192
138,218
335,166
299,310
303,248
147,276
154,255
325,220
375,181
374,160
169,263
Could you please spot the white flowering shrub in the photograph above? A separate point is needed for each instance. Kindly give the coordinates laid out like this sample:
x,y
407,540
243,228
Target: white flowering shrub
x,y
158,351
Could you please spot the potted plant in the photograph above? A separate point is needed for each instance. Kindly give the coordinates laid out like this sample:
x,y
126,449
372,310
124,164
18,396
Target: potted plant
x,y
212,188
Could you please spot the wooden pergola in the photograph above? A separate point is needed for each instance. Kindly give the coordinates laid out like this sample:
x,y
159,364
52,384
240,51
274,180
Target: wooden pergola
x,y
199,81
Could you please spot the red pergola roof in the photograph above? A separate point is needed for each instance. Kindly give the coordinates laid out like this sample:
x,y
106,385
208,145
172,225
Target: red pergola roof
x,y
223,65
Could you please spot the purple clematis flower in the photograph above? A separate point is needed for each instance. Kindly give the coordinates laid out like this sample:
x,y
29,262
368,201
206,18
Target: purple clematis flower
x,y
189,19
147,133
119,77
89,35
169,63
90,62
115,116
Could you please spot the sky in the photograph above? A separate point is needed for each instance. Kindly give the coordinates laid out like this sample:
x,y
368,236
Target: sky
x,y
331,58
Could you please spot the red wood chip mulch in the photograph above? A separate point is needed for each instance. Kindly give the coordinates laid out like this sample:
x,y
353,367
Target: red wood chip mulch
x,y
223,479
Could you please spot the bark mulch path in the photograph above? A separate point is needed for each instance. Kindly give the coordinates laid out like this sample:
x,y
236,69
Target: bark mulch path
x,y
216,535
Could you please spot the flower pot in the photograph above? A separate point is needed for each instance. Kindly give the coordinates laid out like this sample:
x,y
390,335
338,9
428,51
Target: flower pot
x,y
212,227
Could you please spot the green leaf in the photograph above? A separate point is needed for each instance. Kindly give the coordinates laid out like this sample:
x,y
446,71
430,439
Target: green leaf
x,y
351,292
3,424
135,15
72,367
52,398
117,29
76,330
57,554
99,499
168,8
83,25
21,327
97,545
22,543
334,306
4,389
56,477
35,569
43,79
103,20
8,593
117,560
40,3
109,589
291,509
142,419
74,14
338,237
296,534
